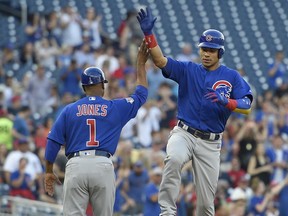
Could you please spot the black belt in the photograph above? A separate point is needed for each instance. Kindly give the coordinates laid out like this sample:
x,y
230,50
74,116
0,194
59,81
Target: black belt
x,y
97,153
197,133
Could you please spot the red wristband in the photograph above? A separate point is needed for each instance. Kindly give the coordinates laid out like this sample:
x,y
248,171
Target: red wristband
x,y
232,104
151,41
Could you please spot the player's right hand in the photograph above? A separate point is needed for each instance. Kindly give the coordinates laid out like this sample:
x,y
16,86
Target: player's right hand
x,y
146,21
215,96
49,181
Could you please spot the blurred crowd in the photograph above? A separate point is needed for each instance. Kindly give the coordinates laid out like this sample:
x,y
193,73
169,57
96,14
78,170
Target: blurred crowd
x,y
39,78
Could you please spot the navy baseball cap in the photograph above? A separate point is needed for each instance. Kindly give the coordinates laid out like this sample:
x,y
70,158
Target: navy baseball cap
x,y
138,163
23,141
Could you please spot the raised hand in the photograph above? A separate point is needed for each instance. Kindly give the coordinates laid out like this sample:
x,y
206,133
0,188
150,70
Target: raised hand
x,y
215,96
143,53
146,21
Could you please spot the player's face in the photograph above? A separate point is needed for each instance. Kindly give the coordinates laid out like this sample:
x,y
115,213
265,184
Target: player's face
x,y
209,58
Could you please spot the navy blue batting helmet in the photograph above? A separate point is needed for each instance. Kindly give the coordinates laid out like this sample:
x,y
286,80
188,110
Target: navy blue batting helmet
x,y
213,38
92,76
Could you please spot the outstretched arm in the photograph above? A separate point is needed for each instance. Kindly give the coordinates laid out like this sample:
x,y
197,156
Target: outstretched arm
x,y
142,57
146,21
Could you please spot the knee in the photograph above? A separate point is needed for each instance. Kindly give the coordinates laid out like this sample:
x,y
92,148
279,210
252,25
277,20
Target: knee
x,y
173,161
206,208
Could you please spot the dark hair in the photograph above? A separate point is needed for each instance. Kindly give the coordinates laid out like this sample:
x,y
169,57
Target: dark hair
x,y
24,108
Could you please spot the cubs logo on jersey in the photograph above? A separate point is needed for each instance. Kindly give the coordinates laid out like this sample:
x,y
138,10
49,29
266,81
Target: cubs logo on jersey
x,y
223,87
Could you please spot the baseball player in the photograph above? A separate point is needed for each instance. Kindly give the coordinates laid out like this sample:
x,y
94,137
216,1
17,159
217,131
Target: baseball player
x,y
208,93
90,130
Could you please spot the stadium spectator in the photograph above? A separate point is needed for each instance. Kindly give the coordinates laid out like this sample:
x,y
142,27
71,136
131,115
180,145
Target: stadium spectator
x,y
278,155
21,182
167,103
10,88
8,57
21,130
263,196
28,55
277,71
246,142
147,121
6,130
47,51
33,168
235,173
65,57
39,137
84,55
39,90
66,99
259,165
70,23
15,104
238,203
110,56
70,79
155,79
134,188
53,27
34,29
130,36
92,25
151,206
187,53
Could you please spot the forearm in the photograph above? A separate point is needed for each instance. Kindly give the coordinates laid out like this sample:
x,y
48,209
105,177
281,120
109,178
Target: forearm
x,y
17,182
141,75
262,206
158,58
242,105
258,170
155,51
275,190
49,167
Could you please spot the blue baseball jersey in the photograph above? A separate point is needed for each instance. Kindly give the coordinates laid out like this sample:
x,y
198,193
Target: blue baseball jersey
x,y
193,80
151,208
95,123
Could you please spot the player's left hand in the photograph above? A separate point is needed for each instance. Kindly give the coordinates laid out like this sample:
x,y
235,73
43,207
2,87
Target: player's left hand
x,y
146,21
215,96
50,179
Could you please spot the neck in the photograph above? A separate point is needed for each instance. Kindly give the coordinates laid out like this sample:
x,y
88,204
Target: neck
x,y
212,67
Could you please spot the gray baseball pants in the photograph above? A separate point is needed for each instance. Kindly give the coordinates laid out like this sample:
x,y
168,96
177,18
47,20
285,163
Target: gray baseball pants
x,y
205,156
89,179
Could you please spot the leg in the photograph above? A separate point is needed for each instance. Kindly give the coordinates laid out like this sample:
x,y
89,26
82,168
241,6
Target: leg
x,y
178,153
206,165
76,195
102,187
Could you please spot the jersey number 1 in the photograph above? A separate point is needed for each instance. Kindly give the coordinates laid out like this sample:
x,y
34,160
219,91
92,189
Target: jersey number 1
x,y
92,133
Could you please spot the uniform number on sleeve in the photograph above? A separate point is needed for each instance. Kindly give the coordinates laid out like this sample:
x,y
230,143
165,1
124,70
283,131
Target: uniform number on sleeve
x,y
92,133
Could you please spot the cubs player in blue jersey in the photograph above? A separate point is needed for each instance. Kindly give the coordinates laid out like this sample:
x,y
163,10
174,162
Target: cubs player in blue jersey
x,y
208,93
90,130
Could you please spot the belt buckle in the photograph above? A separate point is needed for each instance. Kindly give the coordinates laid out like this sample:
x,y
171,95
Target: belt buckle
x,y
196,132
